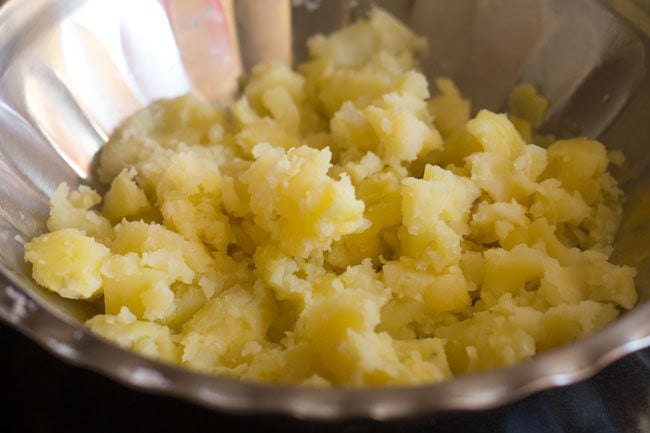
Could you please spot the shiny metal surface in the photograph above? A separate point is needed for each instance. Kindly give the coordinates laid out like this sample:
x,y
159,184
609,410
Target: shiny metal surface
x,y
71,71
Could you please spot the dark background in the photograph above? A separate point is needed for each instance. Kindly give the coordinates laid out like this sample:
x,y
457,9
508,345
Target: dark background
x,y
43,394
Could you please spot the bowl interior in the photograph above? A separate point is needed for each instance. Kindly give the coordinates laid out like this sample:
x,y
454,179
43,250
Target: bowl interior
x,y
70,72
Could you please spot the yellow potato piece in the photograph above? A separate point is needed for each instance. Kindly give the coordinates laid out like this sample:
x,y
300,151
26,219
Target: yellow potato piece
x,y
147,338
125,199
67,262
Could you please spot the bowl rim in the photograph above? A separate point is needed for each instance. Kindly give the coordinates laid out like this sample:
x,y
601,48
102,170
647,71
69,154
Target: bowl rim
x,y
72,342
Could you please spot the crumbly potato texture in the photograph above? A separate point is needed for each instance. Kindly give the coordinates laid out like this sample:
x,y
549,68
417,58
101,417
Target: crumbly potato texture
x,y
339,226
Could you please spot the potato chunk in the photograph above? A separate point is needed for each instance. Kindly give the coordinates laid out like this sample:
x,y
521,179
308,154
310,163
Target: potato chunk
x,y
297,203
496,134
67,262
125,199
73,209
147,338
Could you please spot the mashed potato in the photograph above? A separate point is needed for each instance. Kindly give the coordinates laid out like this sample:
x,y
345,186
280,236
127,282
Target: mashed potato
x,y
336,225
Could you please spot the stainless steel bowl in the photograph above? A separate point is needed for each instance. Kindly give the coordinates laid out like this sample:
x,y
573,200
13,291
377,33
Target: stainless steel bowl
x,y
70,71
